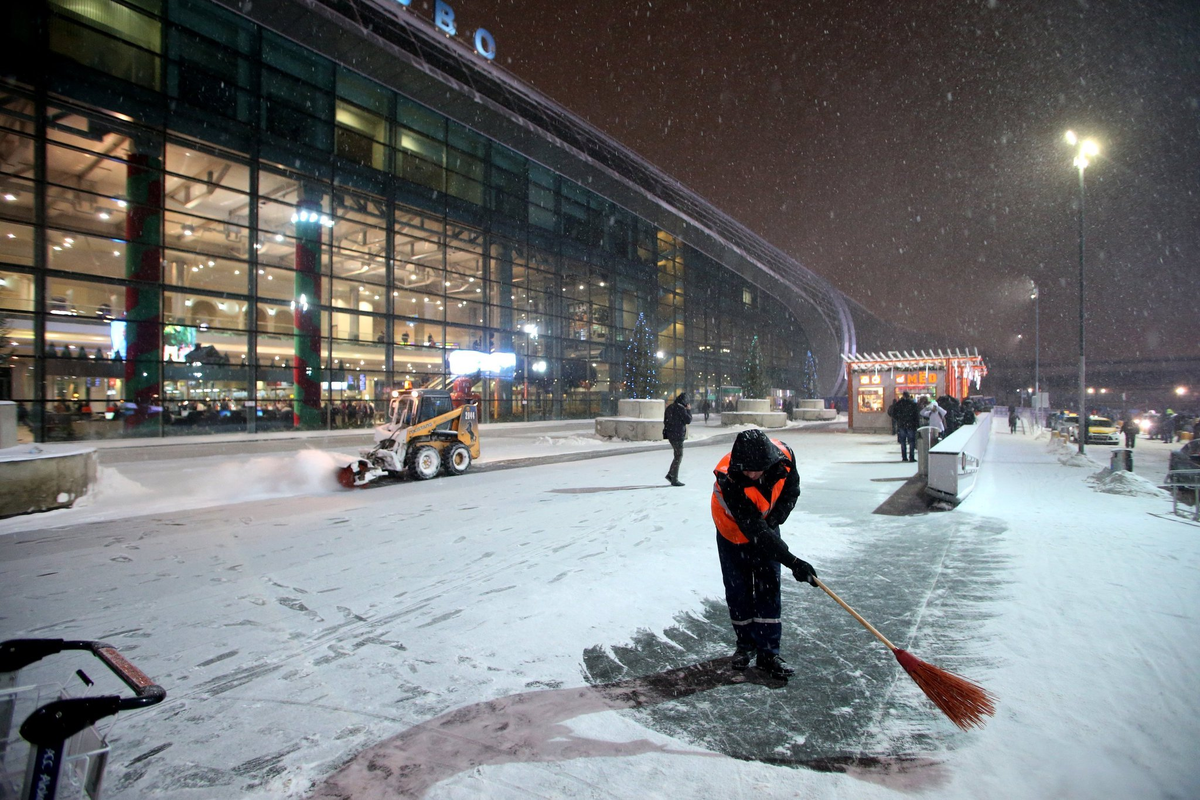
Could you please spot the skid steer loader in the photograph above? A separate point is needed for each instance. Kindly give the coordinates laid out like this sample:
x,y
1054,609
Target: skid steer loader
x,y
425,434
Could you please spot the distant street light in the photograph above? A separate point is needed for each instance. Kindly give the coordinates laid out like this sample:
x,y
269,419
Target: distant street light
x,y
1087,149
1181,390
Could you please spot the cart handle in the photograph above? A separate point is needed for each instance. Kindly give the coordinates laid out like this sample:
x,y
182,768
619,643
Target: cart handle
x,y
60,719
16,654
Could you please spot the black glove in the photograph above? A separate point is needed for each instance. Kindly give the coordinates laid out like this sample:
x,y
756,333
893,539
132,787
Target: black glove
x,y
804,572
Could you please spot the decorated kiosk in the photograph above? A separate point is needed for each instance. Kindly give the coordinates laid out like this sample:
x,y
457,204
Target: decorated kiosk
x,y
877,379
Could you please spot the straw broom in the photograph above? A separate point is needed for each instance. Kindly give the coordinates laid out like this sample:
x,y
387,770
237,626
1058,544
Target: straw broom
x,y
965,703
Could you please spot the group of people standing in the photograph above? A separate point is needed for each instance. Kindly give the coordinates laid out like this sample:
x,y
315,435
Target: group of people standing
x,y
944,417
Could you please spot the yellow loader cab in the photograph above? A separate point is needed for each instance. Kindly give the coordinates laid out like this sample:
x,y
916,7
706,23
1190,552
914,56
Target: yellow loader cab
x,y
425,434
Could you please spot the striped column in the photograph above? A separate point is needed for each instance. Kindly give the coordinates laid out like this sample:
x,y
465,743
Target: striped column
x,y
306,316
143,301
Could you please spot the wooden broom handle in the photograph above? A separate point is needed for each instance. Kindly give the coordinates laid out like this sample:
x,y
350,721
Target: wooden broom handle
x,y
855,614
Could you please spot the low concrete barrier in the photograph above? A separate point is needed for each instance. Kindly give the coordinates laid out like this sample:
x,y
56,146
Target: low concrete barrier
x,y
44,477
754,412
955,461
636,421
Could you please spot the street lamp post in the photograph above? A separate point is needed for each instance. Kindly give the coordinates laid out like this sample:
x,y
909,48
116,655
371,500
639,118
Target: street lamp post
x,y
1037,350
1087,149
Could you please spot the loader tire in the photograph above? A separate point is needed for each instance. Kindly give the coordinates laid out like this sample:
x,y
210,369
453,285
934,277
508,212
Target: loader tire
x,y
457,459
425,463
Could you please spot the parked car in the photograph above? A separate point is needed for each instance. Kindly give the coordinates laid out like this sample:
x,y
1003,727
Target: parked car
x,y
1101,430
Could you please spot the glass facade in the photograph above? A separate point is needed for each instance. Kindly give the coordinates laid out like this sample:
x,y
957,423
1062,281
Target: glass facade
x,y
205,227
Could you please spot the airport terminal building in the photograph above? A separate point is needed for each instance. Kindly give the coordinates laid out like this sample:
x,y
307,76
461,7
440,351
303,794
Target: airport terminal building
x,y
219,216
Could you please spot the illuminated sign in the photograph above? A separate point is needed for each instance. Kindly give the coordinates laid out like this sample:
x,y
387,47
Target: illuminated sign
x,y
444,21
468,362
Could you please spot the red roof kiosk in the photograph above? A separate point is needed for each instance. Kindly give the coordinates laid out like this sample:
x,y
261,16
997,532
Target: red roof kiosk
x,y
876,379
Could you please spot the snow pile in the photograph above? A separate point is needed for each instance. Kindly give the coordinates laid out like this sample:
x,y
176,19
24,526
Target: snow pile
x,y
1069,456
570,441
1125,483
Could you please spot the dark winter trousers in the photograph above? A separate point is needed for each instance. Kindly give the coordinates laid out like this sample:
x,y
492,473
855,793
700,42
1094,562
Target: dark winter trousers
x,y
1130,439
752,594
908,442
673,472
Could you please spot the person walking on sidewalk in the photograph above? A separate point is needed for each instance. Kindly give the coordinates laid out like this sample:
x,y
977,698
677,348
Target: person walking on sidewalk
x,y
1131,429
756,489
907,417
675,421
1013,419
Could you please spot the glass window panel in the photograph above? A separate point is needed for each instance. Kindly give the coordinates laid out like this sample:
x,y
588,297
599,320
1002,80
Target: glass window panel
x,y
358,238
16,291
274,319
209,76
89,171
363,92
361,267
209,169
17,111
204,312
214,23
16,243
108,36
359,297
362,328
464,189
85,299
79,338
420,118
292,59
85,211
419,224
196,271
75,252
361,136
199,235
277,284
16,170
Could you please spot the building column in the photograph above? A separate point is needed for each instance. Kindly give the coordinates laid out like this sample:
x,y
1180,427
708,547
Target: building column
x,y
306,317
143,300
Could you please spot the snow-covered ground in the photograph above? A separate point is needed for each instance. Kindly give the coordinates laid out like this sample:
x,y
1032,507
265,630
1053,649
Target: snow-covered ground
x,y
556,630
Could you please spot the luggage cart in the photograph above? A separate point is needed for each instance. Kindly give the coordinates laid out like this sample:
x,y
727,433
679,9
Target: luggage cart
x,y
59,753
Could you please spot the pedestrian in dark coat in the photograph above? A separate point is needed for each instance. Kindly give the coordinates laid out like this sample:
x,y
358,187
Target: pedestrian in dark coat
x,y
1130,428
756,489
675,421
906,415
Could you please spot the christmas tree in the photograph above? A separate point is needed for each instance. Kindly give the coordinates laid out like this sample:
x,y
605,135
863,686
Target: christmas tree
x,y
641,367
810,375
754,376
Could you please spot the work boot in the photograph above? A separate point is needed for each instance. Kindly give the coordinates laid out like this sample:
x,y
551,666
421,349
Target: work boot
x,y
676,482
741,659
774,666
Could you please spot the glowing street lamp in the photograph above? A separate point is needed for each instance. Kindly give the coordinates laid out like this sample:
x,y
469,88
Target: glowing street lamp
x,y
1087,149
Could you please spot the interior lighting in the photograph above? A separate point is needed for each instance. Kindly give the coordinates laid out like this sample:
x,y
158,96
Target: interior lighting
x,y
103,215
9,196
188,230
12,236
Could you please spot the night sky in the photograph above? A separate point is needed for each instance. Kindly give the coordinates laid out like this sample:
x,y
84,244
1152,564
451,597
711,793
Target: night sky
x,y
912,152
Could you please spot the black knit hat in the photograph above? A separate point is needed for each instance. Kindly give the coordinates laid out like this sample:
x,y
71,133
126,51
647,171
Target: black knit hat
x,y
752,451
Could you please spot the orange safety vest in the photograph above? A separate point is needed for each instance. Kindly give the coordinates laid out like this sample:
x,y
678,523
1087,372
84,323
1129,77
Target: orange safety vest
x,y
726,525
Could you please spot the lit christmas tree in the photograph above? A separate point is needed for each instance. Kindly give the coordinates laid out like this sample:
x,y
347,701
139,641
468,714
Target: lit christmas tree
x,y
810,375
754,376
641,367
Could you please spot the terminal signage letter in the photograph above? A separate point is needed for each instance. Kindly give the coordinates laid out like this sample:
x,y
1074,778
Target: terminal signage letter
x,y
443,17
485,45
